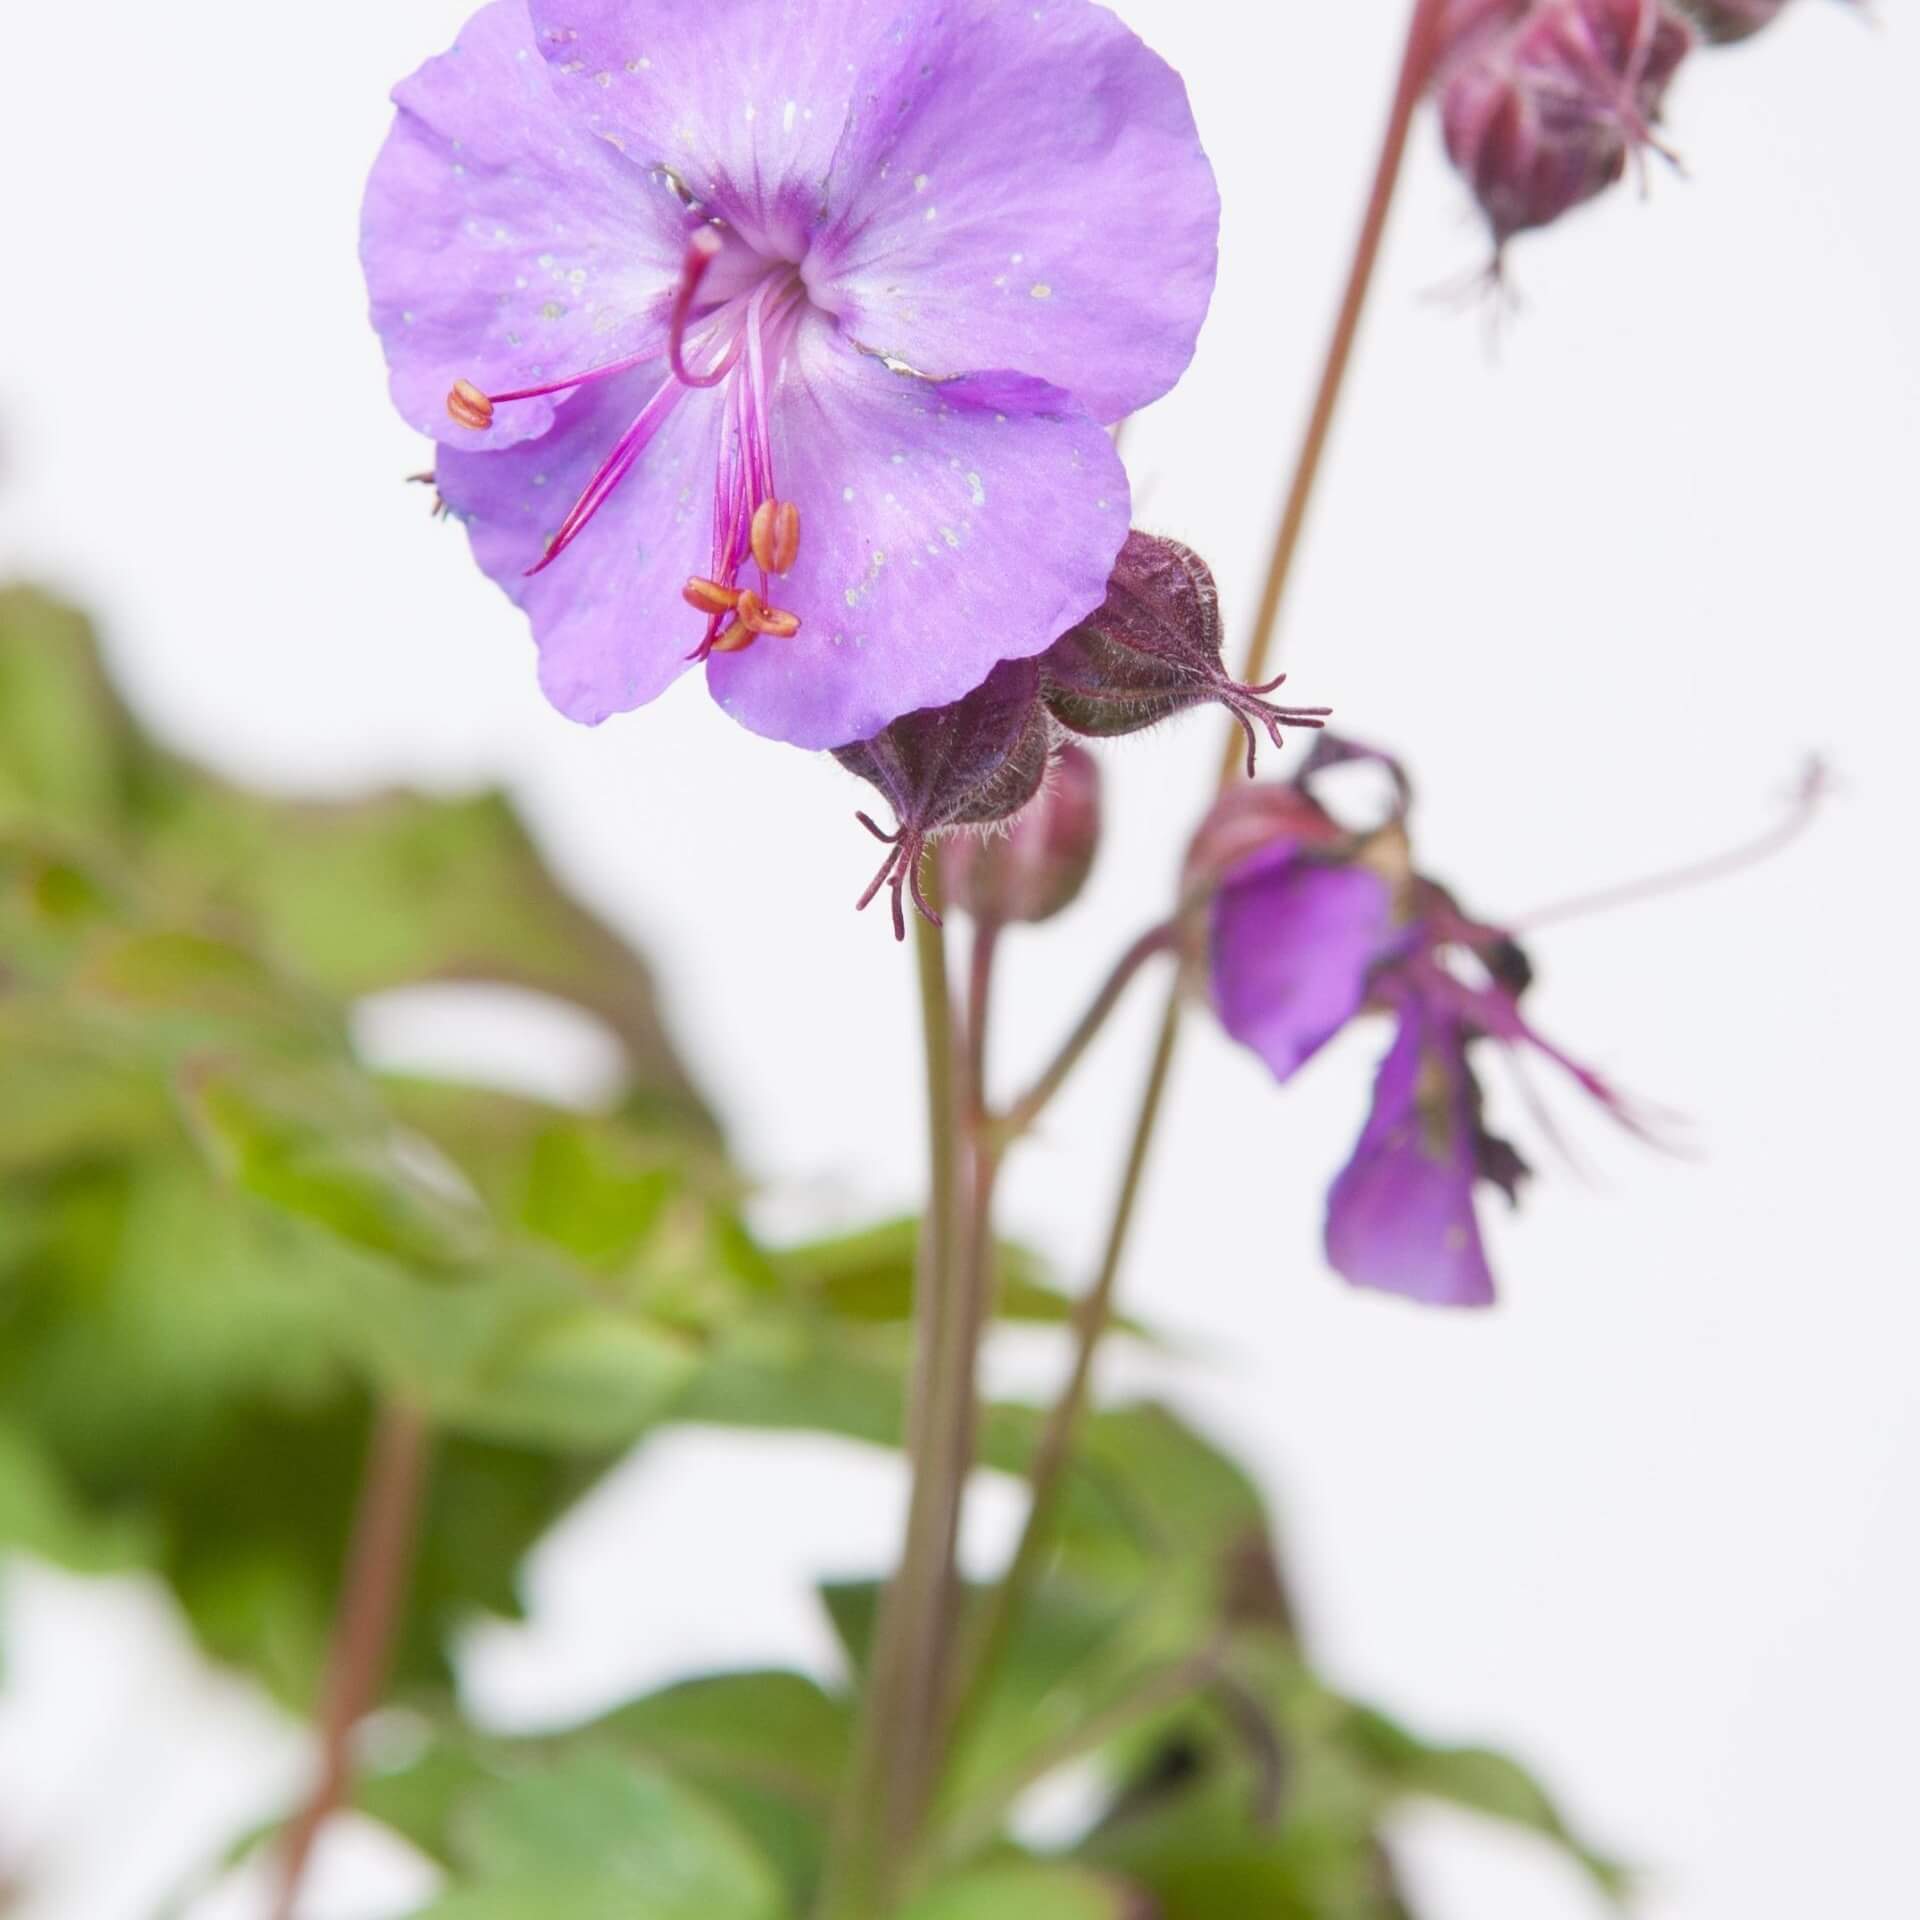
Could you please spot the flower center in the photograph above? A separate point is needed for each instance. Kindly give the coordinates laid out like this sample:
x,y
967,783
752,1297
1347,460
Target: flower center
x,y
735,344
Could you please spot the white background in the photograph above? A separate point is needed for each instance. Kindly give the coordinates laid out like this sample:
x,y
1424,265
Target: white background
x,y
1651,1523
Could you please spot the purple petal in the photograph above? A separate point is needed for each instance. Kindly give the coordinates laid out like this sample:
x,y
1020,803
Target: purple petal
x,y
607,615
943,529
1400,1217
986,185
1033,195
1293,944
746,101
503,243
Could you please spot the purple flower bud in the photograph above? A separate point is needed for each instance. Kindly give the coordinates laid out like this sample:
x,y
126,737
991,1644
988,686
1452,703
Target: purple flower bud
x,y
1729,20
970,764
1545,116
1035,867
1153,649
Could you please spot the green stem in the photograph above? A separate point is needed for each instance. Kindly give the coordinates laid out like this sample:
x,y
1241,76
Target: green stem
x,y
1021,1115
1047,1473
885,1790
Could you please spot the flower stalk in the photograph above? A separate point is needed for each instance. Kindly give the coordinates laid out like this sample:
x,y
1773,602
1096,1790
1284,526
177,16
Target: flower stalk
x,y
1054,1450
888,1782
379,1559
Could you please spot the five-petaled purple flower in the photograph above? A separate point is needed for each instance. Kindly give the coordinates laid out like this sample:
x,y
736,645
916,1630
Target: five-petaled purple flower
x,y
1312,925
781,336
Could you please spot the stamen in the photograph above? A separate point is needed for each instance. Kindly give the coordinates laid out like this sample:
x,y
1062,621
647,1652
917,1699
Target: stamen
x,y
758,617
736,639
702,251
472,408
709,596
627,449
776,536
469,406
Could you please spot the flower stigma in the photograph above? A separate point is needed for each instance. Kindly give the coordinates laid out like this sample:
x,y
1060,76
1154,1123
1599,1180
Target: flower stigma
x,y
736,342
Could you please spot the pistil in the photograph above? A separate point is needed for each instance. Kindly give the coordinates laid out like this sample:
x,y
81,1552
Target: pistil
x,y
751,523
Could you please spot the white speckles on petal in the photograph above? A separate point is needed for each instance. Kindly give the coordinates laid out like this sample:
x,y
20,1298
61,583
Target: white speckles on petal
x,y
920,182
1040,290
753,112
789,114
846,494
978,489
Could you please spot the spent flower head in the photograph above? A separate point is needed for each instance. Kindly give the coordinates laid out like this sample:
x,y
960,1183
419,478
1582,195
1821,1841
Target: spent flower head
x,y
1152,649
781,337
1313,925
1036,864
974,763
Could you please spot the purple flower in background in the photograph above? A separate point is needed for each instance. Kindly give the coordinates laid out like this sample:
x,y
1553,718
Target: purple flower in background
x,y
1312,925
781,336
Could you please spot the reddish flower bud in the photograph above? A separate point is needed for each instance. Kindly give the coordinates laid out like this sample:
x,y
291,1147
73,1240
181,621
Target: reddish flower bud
x,y
1037,866
1469,27
970,764
1728,20
1545,116
1152,649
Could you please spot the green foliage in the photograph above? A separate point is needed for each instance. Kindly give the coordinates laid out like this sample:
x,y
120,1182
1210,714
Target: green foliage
x,y
225,1244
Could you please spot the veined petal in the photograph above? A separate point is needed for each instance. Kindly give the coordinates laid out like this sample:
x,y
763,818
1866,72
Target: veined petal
x,y
746,100
503,243
1293,944
607,616
943,528
1400,1217
1029,191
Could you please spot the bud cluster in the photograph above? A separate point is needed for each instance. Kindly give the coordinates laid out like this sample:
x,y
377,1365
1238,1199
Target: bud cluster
x,y
1152,649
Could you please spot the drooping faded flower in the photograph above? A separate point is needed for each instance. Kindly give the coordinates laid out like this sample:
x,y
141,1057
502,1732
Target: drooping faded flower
x,y
781,336
1311,926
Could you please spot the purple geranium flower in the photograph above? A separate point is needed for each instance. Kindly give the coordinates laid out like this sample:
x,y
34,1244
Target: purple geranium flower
x,y
1310,926
804,317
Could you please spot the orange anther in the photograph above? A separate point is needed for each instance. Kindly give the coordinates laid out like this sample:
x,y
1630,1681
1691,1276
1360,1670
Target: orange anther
x,y
709,596
736,639
776,535
470,406
757,617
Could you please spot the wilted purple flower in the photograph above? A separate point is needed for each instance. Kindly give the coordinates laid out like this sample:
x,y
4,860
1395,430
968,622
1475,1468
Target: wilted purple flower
x,y
1543,112
1034,866
1151,649
970,764
1319,925
807,316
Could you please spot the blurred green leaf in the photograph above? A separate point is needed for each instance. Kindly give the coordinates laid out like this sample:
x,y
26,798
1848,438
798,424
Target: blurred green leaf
x,y
64,737
1476,1778
1028,1891
316,1142
592,1835
869,1275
